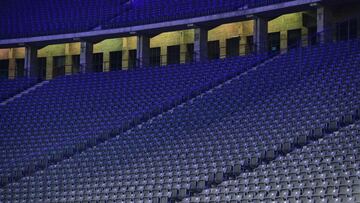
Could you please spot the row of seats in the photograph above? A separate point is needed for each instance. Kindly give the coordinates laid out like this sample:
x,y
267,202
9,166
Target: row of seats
x,y
327,170
12,87
234,128
153,11
28,18
71,113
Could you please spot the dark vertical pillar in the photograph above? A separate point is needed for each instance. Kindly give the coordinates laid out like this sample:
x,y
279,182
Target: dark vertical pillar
x,y
86,57
143,51
200,44
261,35
31,69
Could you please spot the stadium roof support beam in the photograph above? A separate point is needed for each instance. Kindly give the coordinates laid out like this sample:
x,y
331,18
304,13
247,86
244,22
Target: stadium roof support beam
x,y
200,44
324,23
143,51
86,56
31,69
261,34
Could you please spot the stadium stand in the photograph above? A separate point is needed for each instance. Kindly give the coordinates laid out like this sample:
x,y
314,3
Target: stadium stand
x,y
74,112
45,17
147,11
12,87
231,130
327,170
246,101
